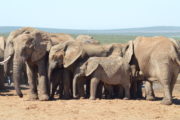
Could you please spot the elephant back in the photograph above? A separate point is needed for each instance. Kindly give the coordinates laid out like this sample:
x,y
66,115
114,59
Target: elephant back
x,y
57,38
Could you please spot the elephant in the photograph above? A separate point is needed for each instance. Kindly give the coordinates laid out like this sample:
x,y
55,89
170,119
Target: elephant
x,y
158,59
87,39
109,70
29,46
57,38
71,54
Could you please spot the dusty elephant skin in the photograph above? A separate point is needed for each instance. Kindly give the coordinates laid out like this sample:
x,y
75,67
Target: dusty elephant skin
x,y
29,46
157,58
109,70
70,55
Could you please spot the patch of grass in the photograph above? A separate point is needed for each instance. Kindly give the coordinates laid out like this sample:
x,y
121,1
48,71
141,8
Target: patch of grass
x,y
108,38
113,38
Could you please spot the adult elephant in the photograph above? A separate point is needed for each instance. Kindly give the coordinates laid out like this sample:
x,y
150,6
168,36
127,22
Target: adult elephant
x,y
57,38
86,39
72,54
158,59
29,46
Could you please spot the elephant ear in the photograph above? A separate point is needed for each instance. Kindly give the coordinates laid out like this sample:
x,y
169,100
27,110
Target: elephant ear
x,y
129,51
42,44
73,51
91,65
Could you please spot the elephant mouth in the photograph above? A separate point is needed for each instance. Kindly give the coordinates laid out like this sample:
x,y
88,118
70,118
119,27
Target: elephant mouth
x,y
6,60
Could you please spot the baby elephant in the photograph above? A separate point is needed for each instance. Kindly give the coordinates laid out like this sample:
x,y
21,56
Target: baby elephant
x,y
109,70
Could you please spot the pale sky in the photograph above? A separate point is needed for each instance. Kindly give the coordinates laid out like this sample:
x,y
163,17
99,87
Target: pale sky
x,y
90,14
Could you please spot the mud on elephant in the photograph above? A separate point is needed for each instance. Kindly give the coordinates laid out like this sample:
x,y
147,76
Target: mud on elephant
x,y
109,70
69,55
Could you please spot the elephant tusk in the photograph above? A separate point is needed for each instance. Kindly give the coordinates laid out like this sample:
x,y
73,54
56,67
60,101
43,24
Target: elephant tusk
x,y
2,63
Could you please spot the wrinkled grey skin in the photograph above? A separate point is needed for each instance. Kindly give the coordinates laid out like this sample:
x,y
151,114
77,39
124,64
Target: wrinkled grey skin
x,y
118,50
29,46
8,66
109,70
158,59
71,54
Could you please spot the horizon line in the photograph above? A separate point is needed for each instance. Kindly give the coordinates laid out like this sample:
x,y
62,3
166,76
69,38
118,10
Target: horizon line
x,y
91,29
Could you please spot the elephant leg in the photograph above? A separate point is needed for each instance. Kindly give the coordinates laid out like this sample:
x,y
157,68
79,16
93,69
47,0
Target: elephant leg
x,y
149,91
1,78
87,87
56,78
108,91
32,82
61,88
93,87
99,90
42,81
173,81
127,91
120,90
133,89
139,90
167,100
67,84
81,88
54,86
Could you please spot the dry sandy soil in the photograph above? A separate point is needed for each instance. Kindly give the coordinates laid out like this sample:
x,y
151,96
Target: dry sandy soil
x,y
14,108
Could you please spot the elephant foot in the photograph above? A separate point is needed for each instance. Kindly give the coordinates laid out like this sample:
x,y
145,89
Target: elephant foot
x,y
33,97
92,98
82,97
166,101
125,98
76,96
150,98
52,98
108,97
43,97
66,97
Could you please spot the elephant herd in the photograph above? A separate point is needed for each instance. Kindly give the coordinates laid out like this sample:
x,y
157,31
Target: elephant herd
x,y
84,68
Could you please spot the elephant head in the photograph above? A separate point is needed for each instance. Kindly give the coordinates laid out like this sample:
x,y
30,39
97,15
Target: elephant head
x,y
25,45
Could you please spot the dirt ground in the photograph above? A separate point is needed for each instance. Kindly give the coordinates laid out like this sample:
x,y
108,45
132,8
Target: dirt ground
x,y
14,108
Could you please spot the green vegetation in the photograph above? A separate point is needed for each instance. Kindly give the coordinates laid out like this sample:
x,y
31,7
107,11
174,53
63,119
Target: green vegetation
x,y
4,34
113,38
107,37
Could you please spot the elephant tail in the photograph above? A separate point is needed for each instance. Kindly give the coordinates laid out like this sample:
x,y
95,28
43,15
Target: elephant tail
x,y
177,56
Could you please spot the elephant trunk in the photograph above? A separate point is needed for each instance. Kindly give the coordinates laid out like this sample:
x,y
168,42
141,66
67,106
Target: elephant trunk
x,y
51,67
17,68
75,80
